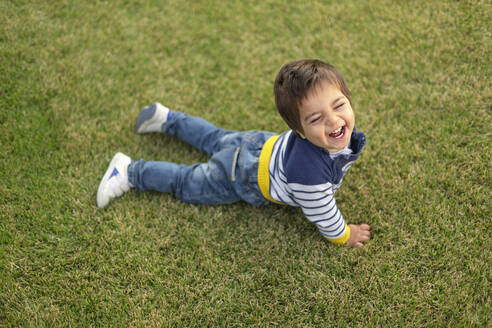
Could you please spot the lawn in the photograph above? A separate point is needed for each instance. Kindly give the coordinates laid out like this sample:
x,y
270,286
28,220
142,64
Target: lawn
x,y
73,77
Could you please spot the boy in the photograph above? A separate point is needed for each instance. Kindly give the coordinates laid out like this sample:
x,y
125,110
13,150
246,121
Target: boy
x,y
301,167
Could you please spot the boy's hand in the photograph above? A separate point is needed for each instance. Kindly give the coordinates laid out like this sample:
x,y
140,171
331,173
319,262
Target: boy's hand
x,y
358,234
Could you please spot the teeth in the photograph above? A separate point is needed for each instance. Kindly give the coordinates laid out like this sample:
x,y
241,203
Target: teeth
x,y
337,134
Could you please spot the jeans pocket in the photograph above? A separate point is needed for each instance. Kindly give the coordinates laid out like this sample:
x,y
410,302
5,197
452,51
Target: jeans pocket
x,y
234,164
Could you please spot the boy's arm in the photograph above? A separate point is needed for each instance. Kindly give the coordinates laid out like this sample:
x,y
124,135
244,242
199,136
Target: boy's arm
x,y
320,208
353,235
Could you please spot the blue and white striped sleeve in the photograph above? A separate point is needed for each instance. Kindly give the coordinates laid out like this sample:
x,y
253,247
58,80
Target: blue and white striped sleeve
x,y
319,206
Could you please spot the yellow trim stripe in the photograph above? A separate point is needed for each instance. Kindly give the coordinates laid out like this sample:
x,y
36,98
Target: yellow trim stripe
x,y
263,172
343,239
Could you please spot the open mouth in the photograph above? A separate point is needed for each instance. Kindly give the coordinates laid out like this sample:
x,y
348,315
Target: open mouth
x,y
338,134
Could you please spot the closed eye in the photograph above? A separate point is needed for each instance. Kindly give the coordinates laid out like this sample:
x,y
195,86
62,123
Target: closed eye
x,y
315,119
340,106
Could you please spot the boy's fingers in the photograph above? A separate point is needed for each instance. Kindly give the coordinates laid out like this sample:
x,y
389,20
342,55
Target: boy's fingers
x,y
364,226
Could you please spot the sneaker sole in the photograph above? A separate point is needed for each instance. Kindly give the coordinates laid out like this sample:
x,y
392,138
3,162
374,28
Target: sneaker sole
x,y
145,118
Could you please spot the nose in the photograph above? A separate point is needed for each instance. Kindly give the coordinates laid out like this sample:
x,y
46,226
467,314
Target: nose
x,y
332,122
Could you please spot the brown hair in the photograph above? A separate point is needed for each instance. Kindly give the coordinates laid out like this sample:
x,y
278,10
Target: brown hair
x,y
294,83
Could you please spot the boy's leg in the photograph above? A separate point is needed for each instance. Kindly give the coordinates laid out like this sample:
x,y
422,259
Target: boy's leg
x,y
203,183
195,131
200,133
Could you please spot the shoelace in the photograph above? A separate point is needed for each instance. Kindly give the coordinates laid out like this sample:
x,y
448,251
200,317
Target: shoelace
x,y
118,184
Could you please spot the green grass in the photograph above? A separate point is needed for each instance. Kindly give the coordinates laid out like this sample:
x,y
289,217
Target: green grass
x,y
73,76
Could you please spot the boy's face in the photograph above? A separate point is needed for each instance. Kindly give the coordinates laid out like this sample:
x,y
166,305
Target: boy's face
x,y
327,118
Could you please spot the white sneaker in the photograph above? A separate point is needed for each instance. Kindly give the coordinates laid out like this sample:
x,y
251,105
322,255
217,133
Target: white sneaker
x,y
115,181
151,118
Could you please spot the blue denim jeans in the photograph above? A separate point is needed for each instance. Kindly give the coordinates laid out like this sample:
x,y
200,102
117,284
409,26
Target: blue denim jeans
x,y
229,176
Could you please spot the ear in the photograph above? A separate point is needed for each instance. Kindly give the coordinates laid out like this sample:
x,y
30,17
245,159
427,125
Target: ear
x,y
300,134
